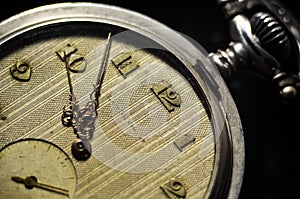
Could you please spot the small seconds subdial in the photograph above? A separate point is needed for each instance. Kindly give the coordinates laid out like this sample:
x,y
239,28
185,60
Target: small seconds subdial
x,y
33,168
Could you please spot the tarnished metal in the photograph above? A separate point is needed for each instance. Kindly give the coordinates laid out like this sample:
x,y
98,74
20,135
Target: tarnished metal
x,y
263,41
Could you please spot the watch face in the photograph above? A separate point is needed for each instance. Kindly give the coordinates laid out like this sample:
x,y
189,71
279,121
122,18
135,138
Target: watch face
x,y
102,102
36,163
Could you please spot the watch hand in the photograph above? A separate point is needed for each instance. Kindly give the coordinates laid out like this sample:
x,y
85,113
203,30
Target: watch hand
x,y
32,181
70,111
101,71
85,117
88,113
67,64
75,117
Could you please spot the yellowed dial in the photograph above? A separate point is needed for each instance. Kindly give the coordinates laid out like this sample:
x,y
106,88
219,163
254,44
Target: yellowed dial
x,y
33,168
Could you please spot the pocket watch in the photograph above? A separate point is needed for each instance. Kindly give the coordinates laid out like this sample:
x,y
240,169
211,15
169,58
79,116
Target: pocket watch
x,y
100,101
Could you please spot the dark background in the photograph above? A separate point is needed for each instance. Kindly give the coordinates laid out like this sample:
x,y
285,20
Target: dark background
x,y
270,127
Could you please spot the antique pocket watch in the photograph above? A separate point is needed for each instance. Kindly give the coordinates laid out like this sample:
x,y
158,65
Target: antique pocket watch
x,y
98,101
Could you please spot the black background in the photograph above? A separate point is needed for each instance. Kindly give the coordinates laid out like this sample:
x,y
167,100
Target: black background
x,y
270,127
